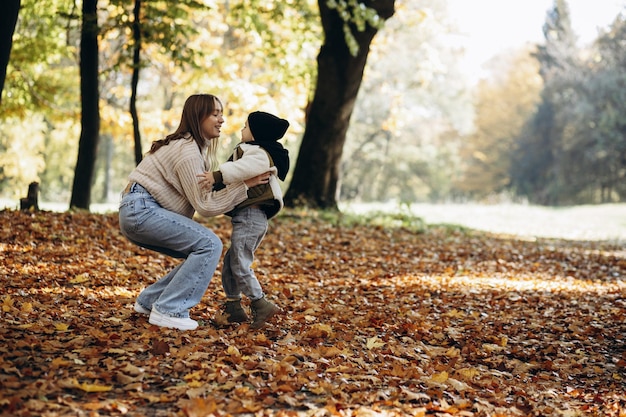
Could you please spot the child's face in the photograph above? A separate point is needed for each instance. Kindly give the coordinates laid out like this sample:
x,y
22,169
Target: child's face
x,y
246,133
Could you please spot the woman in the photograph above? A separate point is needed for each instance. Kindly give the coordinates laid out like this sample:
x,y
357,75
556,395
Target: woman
x,y
157,208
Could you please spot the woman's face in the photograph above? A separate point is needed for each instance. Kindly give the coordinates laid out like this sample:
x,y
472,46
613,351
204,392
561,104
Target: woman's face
x,y
212,124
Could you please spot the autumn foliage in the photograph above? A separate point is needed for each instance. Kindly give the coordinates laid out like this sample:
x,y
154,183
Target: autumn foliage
x,y
377,321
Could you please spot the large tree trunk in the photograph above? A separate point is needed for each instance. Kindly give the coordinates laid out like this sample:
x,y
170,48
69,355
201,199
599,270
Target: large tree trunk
x,y
316,173
8,19
90,118
135,80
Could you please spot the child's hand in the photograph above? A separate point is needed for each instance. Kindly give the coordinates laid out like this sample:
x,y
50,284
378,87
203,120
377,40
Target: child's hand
x,y
206,180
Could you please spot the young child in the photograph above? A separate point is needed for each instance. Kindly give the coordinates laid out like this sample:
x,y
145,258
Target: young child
x,y
258,152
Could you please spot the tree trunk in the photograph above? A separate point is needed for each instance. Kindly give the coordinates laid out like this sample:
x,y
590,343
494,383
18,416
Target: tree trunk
x,y
8,19
109,150
316,174
135,80
90,118
31,201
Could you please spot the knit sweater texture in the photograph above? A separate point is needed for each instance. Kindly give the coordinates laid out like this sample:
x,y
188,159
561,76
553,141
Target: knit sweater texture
x,y
170,176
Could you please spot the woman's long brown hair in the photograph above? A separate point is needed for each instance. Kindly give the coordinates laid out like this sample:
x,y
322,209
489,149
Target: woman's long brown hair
x,y
196,108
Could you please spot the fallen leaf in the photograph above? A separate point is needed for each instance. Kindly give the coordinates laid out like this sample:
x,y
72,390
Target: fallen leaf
x,y
374,342
79,279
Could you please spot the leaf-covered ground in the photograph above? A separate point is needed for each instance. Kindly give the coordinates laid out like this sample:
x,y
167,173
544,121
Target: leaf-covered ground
x,y
377,321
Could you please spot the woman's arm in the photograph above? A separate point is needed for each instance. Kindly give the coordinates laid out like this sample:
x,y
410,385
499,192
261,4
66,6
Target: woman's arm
x,y
212,203
207,203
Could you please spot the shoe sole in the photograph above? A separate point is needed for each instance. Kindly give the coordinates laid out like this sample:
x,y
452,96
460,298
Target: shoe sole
x,y
161,320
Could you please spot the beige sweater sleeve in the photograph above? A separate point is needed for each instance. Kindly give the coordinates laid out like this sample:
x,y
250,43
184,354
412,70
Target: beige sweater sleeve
x,y
170,175
208,203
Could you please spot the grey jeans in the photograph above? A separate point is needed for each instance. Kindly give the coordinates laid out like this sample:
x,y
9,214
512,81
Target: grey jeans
x,y
144,222
249,229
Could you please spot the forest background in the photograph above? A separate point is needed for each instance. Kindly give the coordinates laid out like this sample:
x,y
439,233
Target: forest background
x,y
547,127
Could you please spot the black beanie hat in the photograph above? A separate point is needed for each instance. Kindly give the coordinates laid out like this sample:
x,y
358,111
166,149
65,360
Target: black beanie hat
x,y
266,127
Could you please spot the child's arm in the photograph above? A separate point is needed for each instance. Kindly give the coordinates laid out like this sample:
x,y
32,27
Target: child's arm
x,y
254,161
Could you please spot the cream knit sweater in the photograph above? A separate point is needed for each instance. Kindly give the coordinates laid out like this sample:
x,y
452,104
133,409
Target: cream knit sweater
x,y
170,176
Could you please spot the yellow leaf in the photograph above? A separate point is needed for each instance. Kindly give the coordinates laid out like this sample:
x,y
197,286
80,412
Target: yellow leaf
x,y
92,387
317,390
7,303
454,313
27,307
61,327
79,279
374,342
193,375
340,368
309,256
440,378
233,351
468,373
453,352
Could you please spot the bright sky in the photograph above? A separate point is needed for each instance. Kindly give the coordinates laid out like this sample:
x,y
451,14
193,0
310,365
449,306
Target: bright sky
x,y
495,25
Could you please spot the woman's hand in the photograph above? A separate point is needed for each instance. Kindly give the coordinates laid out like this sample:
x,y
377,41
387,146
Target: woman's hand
x,y
258,180
206,180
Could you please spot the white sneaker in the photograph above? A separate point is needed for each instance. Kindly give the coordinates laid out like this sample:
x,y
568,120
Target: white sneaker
x,y
163,320
141,309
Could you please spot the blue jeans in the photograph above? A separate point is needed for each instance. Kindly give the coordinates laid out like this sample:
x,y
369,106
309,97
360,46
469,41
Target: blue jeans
x,y
144,222
249,229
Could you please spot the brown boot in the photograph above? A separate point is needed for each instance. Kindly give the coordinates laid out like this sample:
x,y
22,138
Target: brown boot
x,y
262,311
232,312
